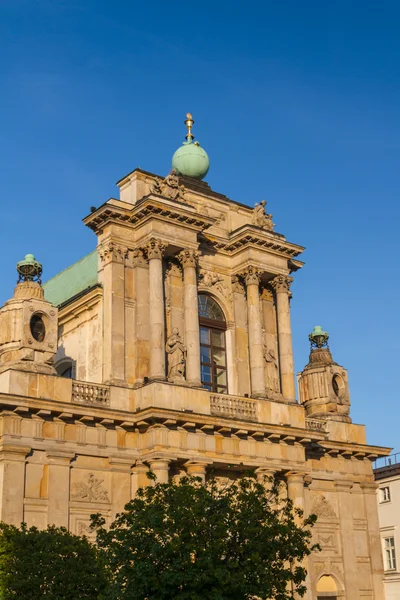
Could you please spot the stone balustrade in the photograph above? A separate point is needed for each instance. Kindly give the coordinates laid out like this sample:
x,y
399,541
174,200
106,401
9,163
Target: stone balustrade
x,y
233,407
90,393
316,425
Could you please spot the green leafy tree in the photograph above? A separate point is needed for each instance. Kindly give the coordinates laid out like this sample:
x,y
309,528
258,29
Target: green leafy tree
x,y
189,541
50,564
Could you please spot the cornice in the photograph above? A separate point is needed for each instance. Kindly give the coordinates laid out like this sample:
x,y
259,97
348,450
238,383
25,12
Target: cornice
x,y
150,207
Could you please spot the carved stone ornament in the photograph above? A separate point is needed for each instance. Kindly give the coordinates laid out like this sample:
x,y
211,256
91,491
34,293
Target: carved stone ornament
x,y
261,218
112,252
237,284
155,249
252,276
176,351
323,508
281,283
173,270
169,187
188,258
266,294
139,258
90,489
215,282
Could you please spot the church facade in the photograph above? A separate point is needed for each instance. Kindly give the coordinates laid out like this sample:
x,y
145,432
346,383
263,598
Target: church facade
x,y
169,347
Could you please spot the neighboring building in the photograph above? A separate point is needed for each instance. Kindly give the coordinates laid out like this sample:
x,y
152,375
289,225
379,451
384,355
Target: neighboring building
x,y
170,347
387,476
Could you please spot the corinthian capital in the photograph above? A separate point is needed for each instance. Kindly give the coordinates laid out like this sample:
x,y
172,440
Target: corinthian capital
x,y
155,248
111,252
138,258
281,283
188,257
252,275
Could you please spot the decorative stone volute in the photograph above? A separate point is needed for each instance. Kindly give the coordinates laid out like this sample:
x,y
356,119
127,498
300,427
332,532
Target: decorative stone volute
x,y
28,324
323,384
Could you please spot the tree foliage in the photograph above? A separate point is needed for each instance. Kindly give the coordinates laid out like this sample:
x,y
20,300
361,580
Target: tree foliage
x,y
189,541
52,564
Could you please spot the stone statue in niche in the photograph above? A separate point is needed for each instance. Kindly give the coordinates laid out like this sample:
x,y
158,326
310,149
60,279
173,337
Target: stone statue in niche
x,y
272,369
176,351
261,218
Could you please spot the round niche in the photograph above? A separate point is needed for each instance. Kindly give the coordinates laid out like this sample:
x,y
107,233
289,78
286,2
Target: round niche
x,y
38,327
339,386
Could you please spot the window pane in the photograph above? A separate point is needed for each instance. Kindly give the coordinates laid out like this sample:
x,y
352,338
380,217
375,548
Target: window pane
x,y
218,338
204,335
222,390
205,374
205,354
221,377
219,357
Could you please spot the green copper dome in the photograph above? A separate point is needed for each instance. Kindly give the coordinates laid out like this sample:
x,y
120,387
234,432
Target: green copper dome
x,y
191,159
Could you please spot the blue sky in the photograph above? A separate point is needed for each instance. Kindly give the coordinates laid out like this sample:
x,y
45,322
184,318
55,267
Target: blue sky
x,y
296,102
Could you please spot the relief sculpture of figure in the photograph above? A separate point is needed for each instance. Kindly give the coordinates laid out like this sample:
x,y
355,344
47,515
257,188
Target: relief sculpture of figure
x,y
176,351
272,369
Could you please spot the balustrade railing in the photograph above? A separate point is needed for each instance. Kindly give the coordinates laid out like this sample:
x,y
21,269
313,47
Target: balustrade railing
x,y
233,407
90,393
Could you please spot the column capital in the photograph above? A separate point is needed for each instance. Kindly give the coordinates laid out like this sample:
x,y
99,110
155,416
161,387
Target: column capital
x,y
295,477
342,485
110,251
369,487
13,452
58,457
252,275
155,248
188,258
281,283
196,468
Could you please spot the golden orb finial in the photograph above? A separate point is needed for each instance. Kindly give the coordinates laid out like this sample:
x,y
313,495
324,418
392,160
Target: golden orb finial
x,y
189,124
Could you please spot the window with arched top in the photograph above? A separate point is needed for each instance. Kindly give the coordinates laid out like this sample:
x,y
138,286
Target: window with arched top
x,y
326,588
65,368
212,345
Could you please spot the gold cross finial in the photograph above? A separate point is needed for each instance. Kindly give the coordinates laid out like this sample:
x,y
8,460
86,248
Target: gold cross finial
x,y
189,124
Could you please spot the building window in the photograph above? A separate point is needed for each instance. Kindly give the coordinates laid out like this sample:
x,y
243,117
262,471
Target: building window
x,y
212,345
390,554
66,368
384,494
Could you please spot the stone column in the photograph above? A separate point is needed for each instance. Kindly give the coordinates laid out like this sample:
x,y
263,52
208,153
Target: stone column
x,y
12,475
266,476
59,487
295,492
375,548
196,469
159,467
189,260
343,489
281,284
256,346
155,249
141,330
112,258
139,477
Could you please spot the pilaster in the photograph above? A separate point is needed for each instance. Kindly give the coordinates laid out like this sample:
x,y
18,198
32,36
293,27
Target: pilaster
x,y
12,477
281,284
189,259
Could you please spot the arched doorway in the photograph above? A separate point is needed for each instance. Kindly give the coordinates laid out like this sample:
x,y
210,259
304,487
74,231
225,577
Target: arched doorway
x,y
212,345
326,588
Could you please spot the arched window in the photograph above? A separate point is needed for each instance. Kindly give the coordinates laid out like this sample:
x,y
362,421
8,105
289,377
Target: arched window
x,y
326,588
65,368
212,345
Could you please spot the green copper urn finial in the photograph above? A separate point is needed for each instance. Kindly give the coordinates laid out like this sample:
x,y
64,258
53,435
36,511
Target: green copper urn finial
x,y
191,159
318,337
29,269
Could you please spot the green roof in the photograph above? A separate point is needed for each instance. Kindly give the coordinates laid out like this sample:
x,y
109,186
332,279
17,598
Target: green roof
x,y
73,280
